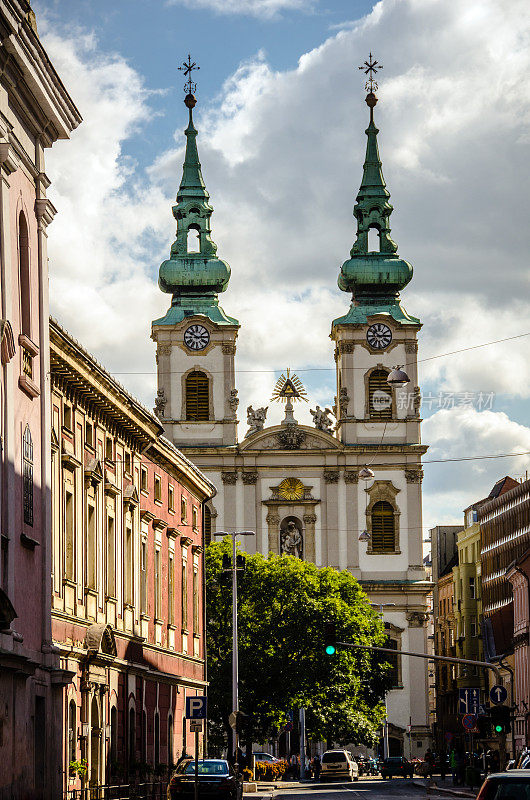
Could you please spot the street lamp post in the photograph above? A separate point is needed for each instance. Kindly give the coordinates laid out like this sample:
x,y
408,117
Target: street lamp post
x,y
380,606
235,659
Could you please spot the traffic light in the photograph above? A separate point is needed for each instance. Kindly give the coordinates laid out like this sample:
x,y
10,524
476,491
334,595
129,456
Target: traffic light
x,y
330,638
241,563
500,719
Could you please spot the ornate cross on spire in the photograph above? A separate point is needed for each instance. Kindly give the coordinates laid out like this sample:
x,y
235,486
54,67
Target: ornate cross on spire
x,y
370,68
187,68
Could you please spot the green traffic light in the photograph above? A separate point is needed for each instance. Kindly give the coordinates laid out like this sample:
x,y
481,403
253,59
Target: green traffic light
x,y
330,649
498,728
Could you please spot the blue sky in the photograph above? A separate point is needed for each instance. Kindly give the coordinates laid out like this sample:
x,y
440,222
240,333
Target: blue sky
x,y
281,120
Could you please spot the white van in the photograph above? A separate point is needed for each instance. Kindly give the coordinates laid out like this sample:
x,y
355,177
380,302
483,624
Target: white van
x,y
339,764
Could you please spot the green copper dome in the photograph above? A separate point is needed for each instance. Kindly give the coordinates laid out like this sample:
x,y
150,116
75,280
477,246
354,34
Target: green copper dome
x,y
194,276
374,278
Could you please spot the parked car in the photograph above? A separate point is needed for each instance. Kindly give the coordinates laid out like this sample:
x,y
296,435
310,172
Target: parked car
x,y
512,785
339,764
265,757
396,766
216,779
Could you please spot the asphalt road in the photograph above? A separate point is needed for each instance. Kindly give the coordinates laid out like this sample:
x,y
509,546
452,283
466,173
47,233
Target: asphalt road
x,y
363,789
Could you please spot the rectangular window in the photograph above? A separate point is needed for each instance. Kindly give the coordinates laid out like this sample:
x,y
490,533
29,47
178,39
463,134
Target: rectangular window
x,y
473,626
171,498
183,510
195,602
184,594
89,434
129,566
67,416
194,518
91,546
158,488
111,557
127,464
69,535
143,577
143,479
472,588
157,584
108,449
170,591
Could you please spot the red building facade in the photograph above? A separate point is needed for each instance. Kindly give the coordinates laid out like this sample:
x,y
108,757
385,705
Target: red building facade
x,y
127,578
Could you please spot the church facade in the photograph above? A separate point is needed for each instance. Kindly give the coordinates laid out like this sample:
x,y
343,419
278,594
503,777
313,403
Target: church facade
x,y
344,493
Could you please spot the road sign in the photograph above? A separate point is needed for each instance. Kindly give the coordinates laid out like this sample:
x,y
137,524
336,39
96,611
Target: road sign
x,y
196,707
468,700
469,721
288,726
498,694
448,736
195,725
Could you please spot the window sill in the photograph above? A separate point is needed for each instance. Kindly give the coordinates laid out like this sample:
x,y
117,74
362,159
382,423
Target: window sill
x,y
145,617
25,342
158,502
28,387
159,621
144,492
28,542
383,553
171,626
90,591
110,598
171,511
184,631
69,582
128,605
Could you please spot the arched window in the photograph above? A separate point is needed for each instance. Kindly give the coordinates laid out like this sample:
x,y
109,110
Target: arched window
x,y
379,395
72,731
207,526
157,738
374,240
24,276
197,396
194,239
383,528
27,476
113,734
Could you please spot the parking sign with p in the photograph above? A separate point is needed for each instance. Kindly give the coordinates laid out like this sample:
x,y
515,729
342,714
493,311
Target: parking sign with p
x,y
196,707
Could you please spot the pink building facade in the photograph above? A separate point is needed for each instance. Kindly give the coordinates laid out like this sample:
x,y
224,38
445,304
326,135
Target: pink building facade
x,y
127,577
35,111
519,576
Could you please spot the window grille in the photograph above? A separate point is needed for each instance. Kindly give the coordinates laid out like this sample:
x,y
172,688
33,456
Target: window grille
x,y
383,528
27,363
27,472
197,396
377,382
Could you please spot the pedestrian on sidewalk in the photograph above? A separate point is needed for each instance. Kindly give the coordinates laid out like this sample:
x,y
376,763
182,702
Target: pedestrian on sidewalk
x,y
316,766
453,763
443,765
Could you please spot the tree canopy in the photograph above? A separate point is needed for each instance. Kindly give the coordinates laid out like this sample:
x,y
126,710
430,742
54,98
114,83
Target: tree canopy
x,y
283,604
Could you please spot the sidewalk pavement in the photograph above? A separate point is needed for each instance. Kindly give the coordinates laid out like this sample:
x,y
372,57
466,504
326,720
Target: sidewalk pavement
x,y
450,791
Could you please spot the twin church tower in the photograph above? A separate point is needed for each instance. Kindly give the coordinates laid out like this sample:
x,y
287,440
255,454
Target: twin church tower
x,y
304,490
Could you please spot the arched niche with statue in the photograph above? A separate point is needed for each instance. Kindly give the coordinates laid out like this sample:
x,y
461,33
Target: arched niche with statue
x,y
292,537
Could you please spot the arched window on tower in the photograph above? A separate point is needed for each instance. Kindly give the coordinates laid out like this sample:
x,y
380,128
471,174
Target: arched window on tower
x,y
197,396
379,395
374,240
383,528
24,275
27,476
194,239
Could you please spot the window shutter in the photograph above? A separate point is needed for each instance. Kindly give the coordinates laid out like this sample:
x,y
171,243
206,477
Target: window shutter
x,y
197,396
377,383
383,528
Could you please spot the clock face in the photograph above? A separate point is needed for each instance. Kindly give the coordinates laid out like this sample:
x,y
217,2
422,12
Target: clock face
x,y
379,336
196,337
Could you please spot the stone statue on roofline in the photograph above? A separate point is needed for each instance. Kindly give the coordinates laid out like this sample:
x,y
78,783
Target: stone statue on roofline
x,y
255,419
321,419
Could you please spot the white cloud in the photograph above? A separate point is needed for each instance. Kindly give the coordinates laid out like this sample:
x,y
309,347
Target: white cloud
x,y
282,155
264,9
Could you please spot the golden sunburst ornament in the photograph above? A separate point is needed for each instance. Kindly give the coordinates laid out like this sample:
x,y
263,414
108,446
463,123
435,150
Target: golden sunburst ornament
x,y
291,489
289,387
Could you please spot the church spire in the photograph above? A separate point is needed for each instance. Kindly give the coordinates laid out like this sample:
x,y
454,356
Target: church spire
x,y
373,276
193,274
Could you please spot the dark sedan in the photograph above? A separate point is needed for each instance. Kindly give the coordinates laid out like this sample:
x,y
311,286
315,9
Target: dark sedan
x,y
396,766
216,779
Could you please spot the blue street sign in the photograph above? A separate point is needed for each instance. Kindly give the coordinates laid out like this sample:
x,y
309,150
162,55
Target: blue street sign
x,y
196,707
498,694
469,700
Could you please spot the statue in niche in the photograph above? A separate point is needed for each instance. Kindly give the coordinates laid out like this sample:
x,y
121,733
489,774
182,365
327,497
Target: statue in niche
x,y
255,420
291,541
321,419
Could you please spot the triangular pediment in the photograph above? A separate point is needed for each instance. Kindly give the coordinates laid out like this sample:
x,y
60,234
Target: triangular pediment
x,y
290,437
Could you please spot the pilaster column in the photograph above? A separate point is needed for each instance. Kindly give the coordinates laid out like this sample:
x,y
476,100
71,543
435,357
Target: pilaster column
x,y
309,520
273,521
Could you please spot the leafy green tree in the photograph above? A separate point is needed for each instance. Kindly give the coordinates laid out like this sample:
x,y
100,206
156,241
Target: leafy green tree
x,y
283,604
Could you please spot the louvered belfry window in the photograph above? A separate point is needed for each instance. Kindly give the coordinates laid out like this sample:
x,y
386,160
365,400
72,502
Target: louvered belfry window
x,y
197,396
378,386
27,477
383,528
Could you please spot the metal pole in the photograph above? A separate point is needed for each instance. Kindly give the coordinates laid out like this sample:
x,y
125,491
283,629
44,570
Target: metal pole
x,y
302,743
512,702
235,665
196,786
